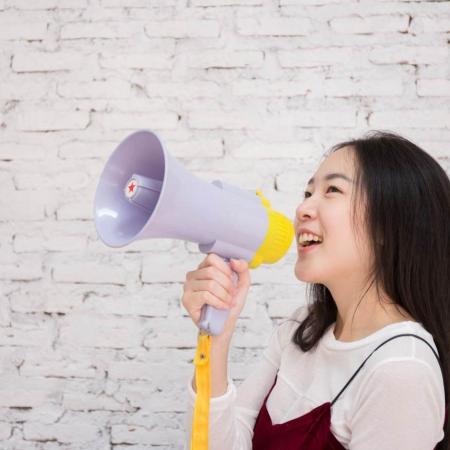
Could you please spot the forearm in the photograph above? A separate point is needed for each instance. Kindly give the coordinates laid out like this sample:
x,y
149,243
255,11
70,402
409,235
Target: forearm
x,y
220,346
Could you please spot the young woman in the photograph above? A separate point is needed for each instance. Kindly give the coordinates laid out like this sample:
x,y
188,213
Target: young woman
x,y
365,364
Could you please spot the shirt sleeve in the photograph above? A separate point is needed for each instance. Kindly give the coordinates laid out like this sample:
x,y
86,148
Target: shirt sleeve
x,y
232,416
400,406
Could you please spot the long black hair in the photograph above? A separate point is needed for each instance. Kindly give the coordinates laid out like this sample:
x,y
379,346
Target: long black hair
x,y
406,215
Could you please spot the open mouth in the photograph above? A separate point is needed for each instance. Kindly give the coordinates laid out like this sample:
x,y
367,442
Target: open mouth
x,y
310,244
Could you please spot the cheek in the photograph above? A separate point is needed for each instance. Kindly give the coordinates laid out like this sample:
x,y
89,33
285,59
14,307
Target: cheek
x,y
340,235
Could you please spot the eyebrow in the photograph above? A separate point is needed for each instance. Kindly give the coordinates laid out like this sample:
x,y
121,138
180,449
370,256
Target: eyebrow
x,y
330,176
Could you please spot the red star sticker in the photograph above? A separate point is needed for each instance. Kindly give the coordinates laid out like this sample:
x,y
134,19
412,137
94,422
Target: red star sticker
x,y
131,187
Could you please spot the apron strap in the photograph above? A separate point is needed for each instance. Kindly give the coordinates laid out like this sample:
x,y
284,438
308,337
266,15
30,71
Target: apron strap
x,y
390,339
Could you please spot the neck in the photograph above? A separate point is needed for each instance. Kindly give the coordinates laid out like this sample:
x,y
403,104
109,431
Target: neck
x,y
358,318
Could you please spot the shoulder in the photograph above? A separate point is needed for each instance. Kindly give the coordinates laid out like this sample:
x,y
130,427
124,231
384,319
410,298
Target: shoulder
x,y
404,371
402,345
404,393
400,405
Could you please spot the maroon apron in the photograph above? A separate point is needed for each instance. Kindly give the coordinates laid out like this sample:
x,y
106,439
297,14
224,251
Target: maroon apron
x,y
312,430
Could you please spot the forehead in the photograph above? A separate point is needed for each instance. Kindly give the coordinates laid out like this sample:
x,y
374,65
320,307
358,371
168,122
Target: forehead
x,y
340,161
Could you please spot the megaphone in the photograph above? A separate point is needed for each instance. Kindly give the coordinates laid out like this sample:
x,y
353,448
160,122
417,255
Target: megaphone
x,y
145,193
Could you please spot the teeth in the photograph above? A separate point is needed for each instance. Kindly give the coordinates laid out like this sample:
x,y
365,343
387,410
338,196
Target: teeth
x,y
306,237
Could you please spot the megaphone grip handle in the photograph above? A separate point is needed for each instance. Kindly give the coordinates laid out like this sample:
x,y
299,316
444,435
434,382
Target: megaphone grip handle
x,y
212,320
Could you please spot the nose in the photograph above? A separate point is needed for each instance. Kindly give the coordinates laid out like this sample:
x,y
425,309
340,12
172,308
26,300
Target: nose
x,y
305,211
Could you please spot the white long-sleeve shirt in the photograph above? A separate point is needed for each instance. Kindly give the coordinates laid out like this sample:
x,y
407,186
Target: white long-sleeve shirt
x,y
395,402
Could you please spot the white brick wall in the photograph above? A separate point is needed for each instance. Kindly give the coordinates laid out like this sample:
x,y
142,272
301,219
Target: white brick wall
x,y
95,349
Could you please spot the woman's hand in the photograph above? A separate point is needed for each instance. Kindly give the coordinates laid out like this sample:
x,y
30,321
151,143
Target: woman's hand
x,y
212,284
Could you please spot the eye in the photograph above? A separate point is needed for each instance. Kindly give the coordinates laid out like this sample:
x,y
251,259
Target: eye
x,y
329,187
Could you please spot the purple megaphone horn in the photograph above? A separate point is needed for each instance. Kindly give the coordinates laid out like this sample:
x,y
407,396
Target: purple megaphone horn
x,y
145,193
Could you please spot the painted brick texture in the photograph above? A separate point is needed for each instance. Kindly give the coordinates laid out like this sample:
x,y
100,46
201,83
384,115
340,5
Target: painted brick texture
x,y
95,348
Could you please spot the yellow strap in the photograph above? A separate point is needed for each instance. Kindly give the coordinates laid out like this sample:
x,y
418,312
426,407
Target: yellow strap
x,y
199,436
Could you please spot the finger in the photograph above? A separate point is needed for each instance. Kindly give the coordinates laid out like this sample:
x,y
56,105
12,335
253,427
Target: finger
x,y
213,273
212,286
206,297
239,265
217,261
241,268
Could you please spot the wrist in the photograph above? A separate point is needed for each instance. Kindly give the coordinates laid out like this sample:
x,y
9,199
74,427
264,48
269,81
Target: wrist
x,y
222,340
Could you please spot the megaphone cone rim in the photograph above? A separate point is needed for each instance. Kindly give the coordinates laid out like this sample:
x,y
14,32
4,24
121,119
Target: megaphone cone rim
x,y
121,143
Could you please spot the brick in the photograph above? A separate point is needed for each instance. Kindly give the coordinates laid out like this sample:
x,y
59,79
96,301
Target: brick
x,y
315,57
183,90
309,118
102,331
88,272
49,299
24,90
21,398
370,25
27,243
402,54
96,89
63,368
227,2
104,30
49,4
151,60
16,205
411,118
151,301
47,61
263,88
268,26
91,402
80,210
131,434
60,180
136,3
79,149
162,336
16,150
133,120
221,59
64,433
6,181
363,88
313,2
223,120
32,31
5,431
49,119
27,336
183,28
433,88
261,150
430,24
196,148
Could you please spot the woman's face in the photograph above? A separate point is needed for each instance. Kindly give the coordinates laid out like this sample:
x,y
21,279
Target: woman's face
x,y
327,211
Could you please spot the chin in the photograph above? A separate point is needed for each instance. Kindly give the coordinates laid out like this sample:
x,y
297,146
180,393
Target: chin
x,y
307,277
